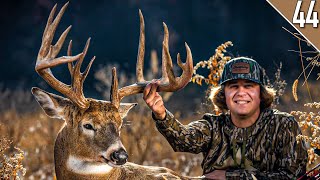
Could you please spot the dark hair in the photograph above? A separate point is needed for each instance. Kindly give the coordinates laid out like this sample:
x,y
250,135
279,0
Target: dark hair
x,y
218,98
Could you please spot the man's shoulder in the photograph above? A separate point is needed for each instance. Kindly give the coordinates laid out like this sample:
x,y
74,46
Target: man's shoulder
x,y
283,117
278,113
214,117
286,122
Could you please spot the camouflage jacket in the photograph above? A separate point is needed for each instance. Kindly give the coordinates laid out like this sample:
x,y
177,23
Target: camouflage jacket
x,y
267,149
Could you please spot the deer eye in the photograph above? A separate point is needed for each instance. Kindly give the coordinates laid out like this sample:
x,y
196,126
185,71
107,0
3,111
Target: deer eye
x,y
88,126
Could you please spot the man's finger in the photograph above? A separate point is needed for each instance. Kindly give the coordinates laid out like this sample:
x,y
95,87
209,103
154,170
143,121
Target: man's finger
x,y
146,91
153,89
157,94
152,92
151,101
150,98
156,100
158,103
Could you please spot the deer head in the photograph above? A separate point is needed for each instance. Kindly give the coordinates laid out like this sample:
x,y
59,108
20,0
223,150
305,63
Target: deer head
x,y
91,135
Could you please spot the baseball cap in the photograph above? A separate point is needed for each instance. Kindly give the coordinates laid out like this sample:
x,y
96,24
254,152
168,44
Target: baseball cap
x,y
242,68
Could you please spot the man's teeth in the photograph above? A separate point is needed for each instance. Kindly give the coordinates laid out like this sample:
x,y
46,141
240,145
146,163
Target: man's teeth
x,y
242,102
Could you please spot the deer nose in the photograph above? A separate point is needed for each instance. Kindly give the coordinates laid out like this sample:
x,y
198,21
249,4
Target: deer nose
x,y
119,157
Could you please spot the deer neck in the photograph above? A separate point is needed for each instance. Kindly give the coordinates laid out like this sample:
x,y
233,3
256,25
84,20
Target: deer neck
x,y
79,165
69,165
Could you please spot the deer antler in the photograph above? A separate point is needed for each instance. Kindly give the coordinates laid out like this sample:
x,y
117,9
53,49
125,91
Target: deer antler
x,y
47,59
168,81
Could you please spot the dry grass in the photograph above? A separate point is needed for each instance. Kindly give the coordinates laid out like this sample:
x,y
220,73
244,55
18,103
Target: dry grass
x,y
309,123
214,64
10,162
30,130
294,89
309,119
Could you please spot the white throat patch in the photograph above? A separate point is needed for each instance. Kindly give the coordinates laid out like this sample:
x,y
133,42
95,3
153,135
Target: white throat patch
x,y
81,166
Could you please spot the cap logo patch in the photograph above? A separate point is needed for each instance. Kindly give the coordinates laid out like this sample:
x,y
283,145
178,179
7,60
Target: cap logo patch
x,y
240,68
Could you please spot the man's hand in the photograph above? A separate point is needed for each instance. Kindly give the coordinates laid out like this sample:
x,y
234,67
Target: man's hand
x,y
216,174
154,100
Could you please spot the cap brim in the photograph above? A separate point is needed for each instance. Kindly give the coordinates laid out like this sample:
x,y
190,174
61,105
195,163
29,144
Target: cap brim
x,y
253,80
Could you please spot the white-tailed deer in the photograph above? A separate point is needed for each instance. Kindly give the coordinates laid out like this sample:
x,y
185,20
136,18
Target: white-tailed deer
x,y
88,146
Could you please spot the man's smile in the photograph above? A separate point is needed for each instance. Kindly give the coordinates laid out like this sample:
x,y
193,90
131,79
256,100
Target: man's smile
x,y
241,102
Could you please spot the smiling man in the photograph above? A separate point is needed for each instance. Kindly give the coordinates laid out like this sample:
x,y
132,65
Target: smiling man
x,y
248,140
243,98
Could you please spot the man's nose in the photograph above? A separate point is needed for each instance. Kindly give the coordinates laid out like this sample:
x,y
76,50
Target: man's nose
x,y
241,90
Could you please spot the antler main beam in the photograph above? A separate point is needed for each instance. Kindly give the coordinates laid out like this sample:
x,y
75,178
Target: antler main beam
x,y
47,59
168,82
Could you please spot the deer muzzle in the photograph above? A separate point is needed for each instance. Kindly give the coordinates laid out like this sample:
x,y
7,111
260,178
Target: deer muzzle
x,y
119,157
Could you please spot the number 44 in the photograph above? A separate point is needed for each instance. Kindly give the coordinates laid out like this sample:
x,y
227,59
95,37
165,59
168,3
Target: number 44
x,y
298,17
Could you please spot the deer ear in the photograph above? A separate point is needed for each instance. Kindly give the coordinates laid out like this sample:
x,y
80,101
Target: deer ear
x,y
53,105
125,108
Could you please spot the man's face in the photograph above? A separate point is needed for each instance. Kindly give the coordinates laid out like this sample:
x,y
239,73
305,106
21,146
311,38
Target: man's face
x,y
242,98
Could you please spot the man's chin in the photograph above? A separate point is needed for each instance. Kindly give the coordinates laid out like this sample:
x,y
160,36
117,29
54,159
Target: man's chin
x,y
241,115
241,112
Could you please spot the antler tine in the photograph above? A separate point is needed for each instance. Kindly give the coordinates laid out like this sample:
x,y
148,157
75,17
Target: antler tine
x,y
76,69
79,62
56,48
168,64
141,51
48,24
70,64
78,78
85,73
47,59
166,58
187,68
114,95
47,51
50,30
168,82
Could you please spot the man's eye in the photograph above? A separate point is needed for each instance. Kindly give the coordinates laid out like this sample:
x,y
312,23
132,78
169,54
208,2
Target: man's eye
x,y
88,126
